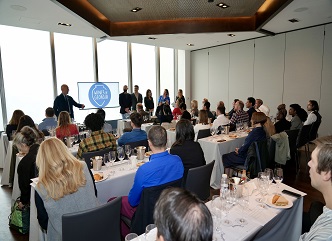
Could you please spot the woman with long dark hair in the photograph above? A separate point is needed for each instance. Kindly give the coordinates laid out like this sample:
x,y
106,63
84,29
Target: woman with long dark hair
x,y
13,123
148,101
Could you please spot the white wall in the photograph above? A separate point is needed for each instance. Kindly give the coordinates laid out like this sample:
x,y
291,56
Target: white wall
x,y
288,68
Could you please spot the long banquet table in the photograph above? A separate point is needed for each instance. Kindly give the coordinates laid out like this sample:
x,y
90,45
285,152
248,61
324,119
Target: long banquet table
x,y
213,150
116,185
264,222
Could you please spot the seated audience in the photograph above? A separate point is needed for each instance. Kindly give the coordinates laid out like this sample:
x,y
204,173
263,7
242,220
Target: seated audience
x,y
295,111
13,123
203,122
164,113
239,156
27,143
262,108
65,127
180,97
239,116
49,121
107,127
269,127
136,133
186,148
99,139
139,109
184,113
221,118
321,179
177,111
148,101
206,107
250,105
65,186
194,108
313,109
179,215
162,168
282,124
230,114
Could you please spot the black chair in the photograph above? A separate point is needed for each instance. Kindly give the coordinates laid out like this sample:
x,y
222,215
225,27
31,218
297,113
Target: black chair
x,y
88,155
292,137
101,223
303,139
144,212
198,180
203,133
314,130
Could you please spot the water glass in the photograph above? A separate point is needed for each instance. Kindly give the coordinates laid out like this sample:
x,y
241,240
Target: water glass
x,y
128,151
269,173
131,236
120,153
106,160
112,157
278,176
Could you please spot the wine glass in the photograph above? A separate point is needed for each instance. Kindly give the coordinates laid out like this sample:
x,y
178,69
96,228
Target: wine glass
x,y
238,126
244,203
131,236
148,229
106,160
278,177
128,151
212,131
226,205
263,185
120,153
269,174
216,212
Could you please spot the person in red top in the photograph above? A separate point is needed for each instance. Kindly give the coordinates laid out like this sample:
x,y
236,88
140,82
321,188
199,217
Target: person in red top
x,y
65,128
177,111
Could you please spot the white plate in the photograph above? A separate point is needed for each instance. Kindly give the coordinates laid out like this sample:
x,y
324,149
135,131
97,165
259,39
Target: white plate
x,y
269,203
104,176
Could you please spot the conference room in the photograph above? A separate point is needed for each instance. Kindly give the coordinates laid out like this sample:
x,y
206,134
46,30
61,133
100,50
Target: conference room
x,y
213,54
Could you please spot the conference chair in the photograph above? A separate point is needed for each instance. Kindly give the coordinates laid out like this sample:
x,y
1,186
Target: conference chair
x,y
88,155
203,133
292,137
198,180
101,223
303,140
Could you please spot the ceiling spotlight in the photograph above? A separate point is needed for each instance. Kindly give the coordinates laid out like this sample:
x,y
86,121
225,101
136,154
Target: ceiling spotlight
x,y
222,5
190,44
65,24
135,10
231,35
294,20
152,38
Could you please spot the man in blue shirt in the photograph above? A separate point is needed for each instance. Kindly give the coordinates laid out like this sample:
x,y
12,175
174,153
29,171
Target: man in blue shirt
x,y
49,121
162,168
136,134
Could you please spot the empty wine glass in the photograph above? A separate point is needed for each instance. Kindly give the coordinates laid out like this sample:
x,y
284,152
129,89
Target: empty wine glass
x,y
212,131
226,205
112,157
244,203
263,185
148,229
106,160
269,174
120,153
128,151
278,177
131,236
238,126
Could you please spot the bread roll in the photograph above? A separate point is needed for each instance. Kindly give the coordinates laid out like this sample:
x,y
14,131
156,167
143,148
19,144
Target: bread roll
x,y
97,177
275,198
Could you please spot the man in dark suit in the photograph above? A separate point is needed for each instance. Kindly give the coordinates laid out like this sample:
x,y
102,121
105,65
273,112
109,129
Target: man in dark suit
x,y
136,98
64,102
125,103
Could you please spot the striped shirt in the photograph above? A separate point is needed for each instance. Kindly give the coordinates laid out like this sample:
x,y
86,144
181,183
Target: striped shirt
x,y
239,116
97,141
321,230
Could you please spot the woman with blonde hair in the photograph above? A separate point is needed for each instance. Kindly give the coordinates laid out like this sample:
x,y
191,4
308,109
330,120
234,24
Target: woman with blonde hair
x,y
65,127
65,185
13,123
194,108
203,122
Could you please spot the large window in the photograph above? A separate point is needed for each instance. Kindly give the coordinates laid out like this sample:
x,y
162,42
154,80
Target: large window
x,y
74,63
182,73
113,67
27,72
167,72
144,69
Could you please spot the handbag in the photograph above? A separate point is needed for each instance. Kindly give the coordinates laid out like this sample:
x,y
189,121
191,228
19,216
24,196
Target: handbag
x,y
19,219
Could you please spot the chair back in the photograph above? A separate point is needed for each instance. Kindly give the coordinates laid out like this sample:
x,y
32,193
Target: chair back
x,y
144,212
257,158
203,133
314,129
101,223
88,155
198,180
303,137
292,137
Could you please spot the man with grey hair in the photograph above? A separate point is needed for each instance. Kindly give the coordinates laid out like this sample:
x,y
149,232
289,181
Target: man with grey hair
x,y
321,179
179,215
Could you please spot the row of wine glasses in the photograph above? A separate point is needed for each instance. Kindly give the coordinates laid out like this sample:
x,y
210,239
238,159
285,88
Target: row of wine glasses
x,y
264,180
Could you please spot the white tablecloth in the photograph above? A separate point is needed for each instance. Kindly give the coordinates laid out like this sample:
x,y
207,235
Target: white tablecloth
x,y
3,148
146,127
122,124
6,166
213,150
115,185
263,223
171,137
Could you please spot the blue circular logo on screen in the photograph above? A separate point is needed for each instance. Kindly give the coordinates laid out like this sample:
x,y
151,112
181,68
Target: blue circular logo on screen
x,y
99,95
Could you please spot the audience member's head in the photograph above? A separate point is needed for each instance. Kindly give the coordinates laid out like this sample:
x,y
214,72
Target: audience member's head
x,y
281,114
49,112
166,93
179,215
312,105
148,93
94,122
136,120
235,100
206,106
102,113
16,117
203,117
239,105
184,132
139,107
136,88
259,102
157,137
221,103
293,109
250,102
221,110
194,104
258,118
281,106
269,128
204,100
25,138
183,107
64,118
25,120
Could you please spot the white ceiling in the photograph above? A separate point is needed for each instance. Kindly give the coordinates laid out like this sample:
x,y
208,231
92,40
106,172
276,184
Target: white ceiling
x,y
45,15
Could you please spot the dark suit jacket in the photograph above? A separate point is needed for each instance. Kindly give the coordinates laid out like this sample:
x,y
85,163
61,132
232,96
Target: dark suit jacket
x,y
60,104
124,101
186,115
134,101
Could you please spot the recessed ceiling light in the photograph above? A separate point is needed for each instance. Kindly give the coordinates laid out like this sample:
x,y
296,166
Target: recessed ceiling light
x,y
294,20
65,24
152,38
222,5
18,7
190,44
231,35
135,10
